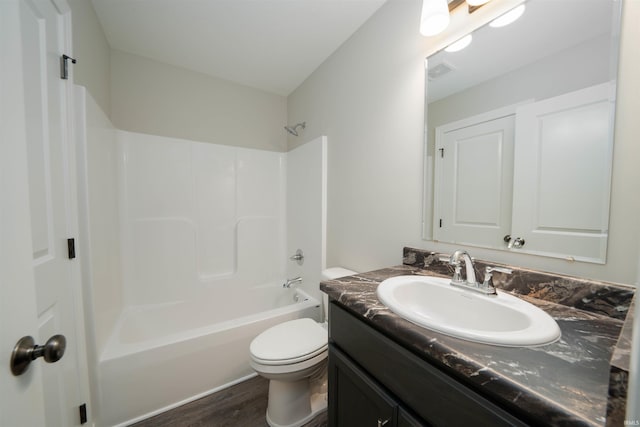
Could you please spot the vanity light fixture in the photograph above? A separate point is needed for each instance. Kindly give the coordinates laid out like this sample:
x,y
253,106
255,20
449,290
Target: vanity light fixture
x,y
476,2
434,18
508,17
435,14
459,44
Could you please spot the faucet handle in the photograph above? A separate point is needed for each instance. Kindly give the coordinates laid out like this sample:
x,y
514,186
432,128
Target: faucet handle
x,y
499,269
457,265
487,285
457,272
444,258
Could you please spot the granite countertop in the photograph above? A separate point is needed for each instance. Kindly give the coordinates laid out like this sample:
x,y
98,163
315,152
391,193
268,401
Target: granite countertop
x,y
570,382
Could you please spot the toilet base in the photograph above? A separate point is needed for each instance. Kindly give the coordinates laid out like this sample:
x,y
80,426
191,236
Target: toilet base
x,y
295,403
318,406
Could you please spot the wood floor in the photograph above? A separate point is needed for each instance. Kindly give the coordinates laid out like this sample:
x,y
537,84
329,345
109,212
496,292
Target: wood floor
x,y
243,405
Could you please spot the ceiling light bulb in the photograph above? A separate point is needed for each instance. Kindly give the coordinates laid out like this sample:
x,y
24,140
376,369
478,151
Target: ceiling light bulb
x,y
460,44
476,2
508,17
434,18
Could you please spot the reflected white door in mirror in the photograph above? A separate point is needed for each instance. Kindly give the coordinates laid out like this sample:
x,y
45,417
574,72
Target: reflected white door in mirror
x,y
474,178
517,178
519,134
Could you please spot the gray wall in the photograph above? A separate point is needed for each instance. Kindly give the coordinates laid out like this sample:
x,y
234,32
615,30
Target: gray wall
x,y
160,99
92,50
368,99
146,96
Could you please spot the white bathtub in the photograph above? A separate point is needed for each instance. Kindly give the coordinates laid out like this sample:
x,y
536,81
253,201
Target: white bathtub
x,y
162,356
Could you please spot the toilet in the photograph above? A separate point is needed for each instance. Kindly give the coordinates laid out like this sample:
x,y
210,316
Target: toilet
x,y
292,356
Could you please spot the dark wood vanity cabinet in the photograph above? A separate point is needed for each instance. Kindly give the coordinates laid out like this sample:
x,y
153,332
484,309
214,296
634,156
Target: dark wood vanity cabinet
x,y
356,399
373,381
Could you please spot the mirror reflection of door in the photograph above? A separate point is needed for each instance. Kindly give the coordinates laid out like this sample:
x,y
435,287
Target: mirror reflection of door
x,y
518,64
562,173
474,176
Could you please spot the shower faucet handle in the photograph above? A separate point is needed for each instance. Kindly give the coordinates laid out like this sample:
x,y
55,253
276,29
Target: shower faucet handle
x,y
298,257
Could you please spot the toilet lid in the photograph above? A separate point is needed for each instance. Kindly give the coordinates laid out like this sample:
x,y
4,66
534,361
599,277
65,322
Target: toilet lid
x,y
289,341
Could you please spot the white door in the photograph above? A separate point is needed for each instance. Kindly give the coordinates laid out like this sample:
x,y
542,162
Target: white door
x,y
33,42
21,401
562,179
473,180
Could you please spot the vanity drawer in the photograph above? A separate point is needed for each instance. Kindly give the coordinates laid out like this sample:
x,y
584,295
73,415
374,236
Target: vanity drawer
x,y
433,395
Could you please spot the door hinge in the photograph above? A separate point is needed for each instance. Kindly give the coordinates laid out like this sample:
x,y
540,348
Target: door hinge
x,y
441,152
440,222
64,66
83,413
71,248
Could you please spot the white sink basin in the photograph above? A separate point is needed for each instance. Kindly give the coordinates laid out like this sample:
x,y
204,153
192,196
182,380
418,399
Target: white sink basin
x,y
502,319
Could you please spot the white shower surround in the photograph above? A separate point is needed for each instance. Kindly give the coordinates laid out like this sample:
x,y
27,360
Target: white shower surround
x,y
200,215
185,261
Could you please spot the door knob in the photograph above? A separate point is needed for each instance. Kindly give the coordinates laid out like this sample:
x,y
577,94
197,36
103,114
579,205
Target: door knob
x,y
517,243
26,350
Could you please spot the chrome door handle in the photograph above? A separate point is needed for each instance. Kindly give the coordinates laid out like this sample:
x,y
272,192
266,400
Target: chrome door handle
x,y
26,350
518,243
383,423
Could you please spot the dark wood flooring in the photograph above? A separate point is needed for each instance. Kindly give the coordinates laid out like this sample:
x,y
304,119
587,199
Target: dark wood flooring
x,y
242,405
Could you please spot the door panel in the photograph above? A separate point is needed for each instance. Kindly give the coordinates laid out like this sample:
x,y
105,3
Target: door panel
x,y
354,398
474,170
563,179
47,136
21,398
42,41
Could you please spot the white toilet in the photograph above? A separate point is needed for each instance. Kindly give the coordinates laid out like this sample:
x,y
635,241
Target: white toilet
x,y
292,356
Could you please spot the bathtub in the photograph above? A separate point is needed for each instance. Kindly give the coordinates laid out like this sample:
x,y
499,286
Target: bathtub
x,y
162,356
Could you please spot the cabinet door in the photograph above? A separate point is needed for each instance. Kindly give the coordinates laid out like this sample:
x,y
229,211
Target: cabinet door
x,y
354,398
561,178
473,180
405,419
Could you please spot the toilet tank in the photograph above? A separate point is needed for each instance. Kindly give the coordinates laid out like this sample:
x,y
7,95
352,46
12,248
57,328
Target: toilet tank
x,y
328,274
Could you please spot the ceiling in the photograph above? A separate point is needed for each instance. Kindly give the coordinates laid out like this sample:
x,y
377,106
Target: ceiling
x,y
272,45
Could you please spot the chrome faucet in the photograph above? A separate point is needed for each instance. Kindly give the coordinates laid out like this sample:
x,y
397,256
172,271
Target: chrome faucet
x,y
293,281
470,281
470,271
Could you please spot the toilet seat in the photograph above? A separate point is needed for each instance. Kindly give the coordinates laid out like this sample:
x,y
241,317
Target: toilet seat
x,y
289,342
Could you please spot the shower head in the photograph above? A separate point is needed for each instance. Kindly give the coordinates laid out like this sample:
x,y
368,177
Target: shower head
x,y
292,129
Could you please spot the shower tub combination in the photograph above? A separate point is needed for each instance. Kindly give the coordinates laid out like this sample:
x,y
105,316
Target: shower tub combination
x,y
188,257
166,355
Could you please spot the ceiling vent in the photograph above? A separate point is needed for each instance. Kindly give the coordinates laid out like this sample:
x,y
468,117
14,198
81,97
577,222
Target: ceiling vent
x,y
439,70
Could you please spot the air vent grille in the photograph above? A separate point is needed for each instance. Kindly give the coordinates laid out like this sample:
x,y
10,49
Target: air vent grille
x,y
439,70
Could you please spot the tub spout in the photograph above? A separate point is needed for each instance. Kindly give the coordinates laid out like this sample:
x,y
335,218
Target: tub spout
x,y
293,281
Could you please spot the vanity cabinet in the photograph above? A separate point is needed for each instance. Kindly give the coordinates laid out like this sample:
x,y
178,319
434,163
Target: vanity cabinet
x,y
373,381
356,399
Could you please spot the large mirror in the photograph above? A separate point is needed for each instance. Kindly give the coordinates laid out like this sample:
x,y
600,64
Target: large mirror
x,y
520,133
